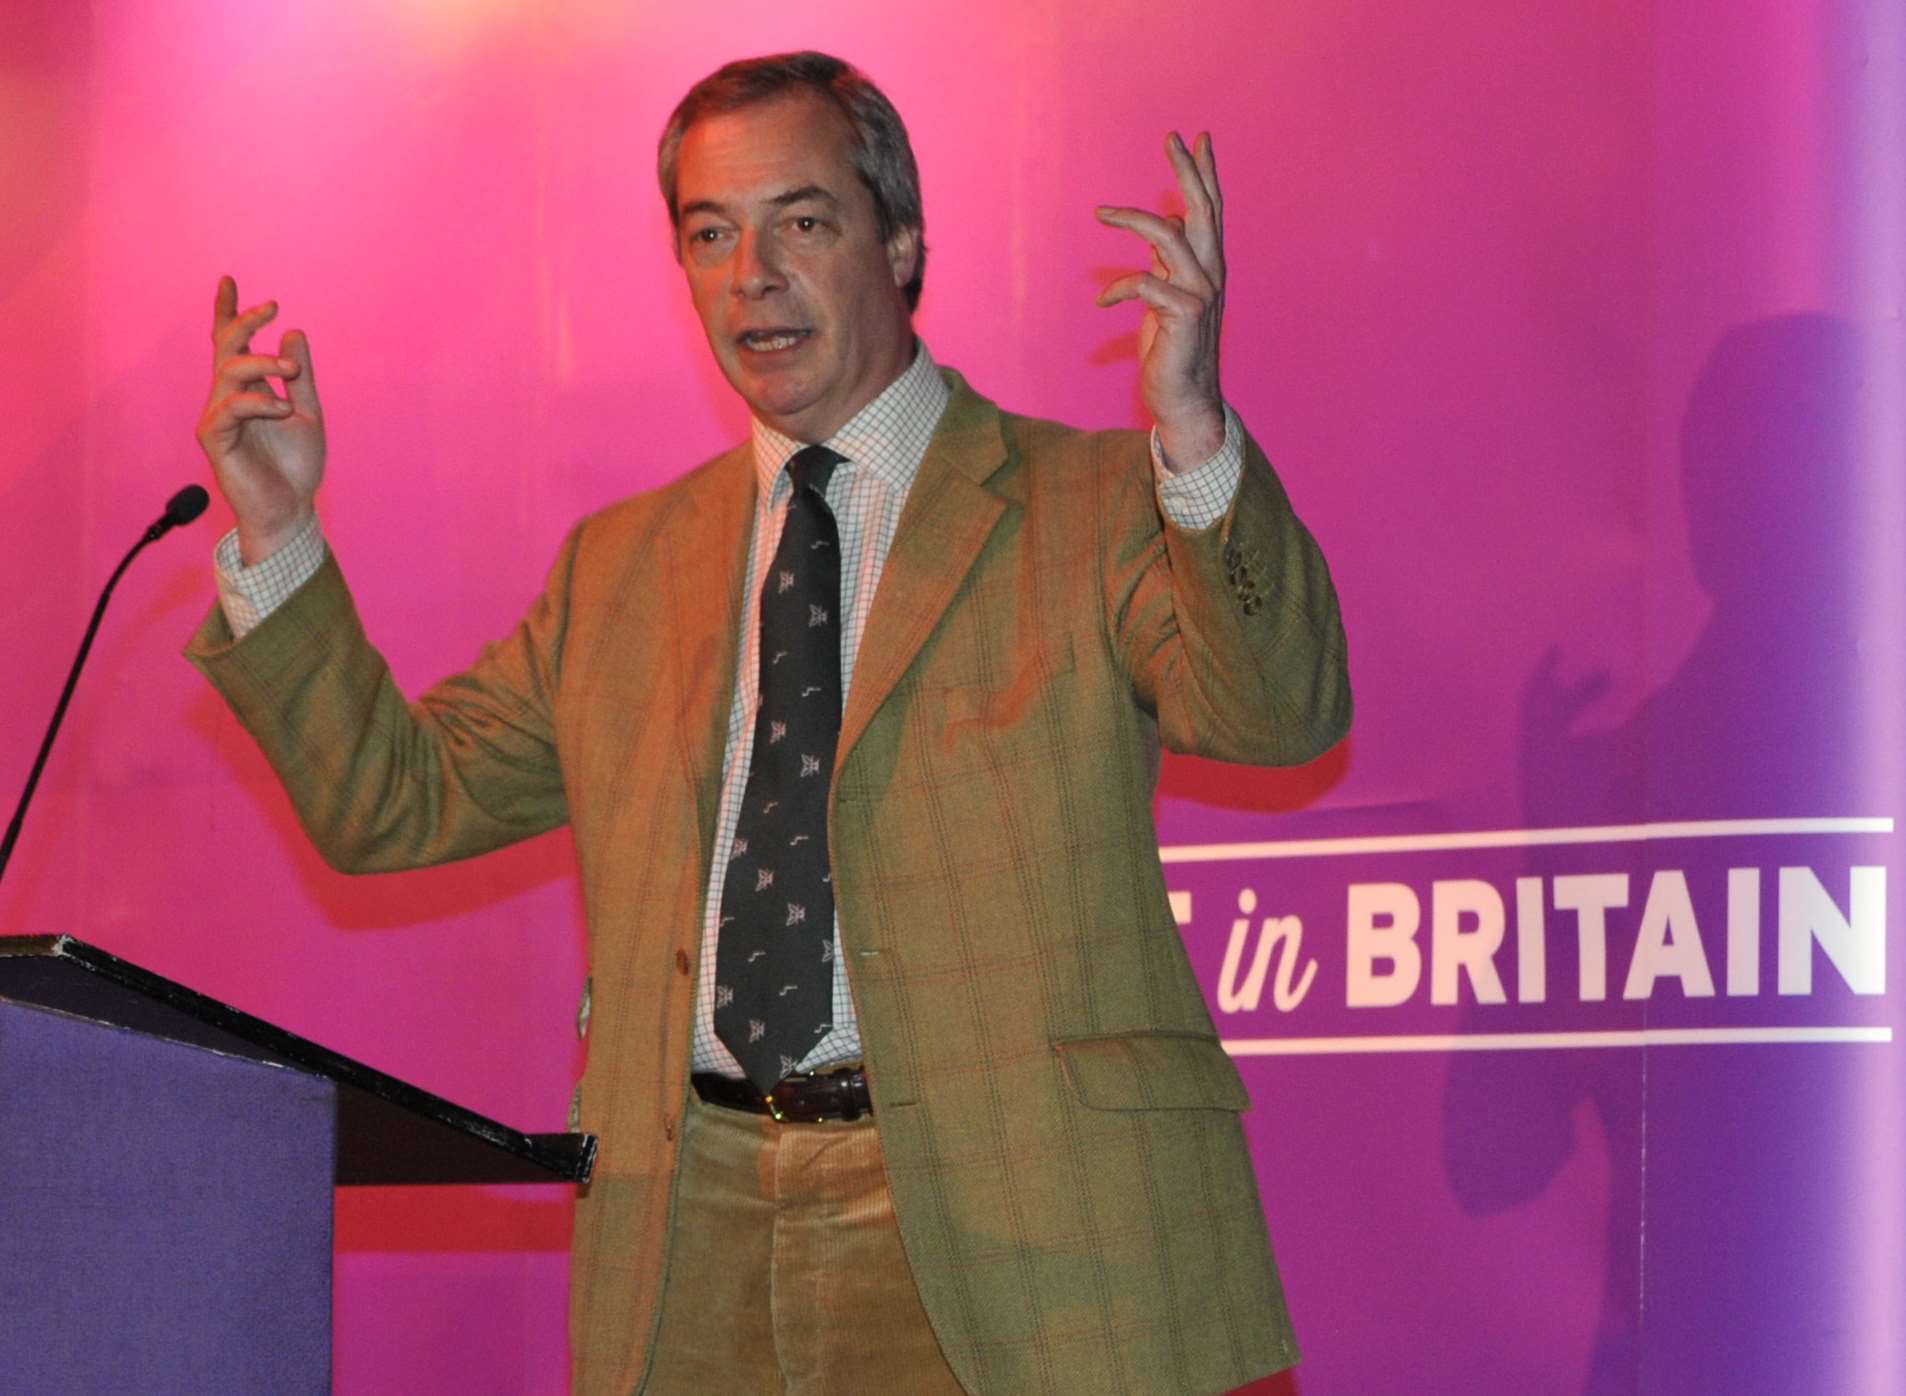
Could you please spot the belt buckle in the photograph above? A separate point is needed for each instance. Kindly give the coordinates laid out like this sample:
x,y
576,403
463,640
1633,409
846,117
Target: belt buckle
x,y
843,1106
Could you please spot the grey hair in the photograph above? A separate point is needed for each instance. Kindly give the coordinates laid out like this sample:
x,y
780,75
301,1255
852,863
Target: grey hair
x,y
882,155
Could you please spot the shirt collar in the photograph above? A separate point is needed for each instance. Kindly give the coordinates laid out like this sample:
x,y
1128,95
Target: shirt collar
x,y
888,436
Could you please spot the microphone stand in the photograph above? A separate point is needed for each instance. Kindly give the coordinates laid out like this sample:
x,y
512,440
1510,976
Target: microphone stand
x,y
182,508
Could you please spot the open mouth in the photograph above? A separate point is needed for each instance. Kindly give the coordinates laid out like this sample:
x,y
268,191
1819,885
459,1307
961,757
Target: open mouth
x,y
772,341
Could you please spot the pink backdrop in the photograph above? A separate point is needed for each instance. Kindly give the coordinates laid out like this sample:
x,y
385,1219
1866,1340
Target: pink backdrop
x,y
1479,253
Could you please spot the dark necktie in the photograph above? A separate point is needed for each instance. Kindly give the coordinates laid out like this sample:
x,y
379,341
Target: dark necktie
x,y
774,972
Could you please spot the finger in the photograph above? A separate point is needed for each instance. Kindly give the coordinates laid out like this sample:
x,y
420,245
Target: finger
x,y
1170,300
1203,231
1206,156
300,386
1160,230
234,337
224,415
1123,289
1190,178
1166,297
242,370
224,304
1168,239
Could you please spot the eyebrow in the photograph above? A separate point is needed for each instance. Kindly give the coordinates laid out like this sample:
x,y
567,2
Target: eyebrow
x,y
792,196
802,195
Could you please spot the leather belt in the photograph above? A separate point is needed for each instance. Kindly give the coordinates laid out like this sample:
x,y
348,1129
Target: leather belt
x,y
840,1094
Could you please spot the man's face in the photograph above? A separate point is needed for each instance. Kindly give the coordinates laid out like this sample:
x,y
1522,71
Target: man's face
x,y
801,300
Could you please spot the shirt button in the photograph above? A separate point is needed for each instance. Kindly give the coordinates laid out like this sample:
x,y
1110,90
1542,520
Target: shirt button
x,y
681,961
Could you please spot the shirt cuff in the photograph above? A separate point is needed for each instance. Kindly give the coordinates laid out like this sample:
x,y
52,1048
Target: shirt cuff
x,y
248,594
1197,498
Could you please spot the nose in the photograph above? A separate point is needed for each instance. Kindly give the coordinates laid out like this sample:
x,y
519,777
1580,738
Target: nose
x,y
757,268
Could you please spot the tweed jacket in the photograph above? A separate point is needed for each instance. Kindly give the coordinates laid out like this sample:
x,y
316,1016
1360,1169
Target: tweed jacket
x,y
1059,1121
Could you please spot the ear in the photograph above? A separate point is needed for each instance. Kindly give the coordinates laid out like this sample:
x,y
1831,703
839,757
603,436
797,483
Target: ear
x,y
903,254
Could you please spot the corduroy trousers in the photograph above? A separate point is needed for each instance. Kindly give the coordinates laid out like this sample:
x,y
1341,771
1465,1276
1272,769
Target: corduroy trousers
x,y
786,1273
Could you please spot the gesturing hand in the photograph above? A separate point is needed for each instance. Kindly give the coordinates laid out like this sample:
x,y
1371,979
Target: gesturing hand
x,y
267,451
1184,305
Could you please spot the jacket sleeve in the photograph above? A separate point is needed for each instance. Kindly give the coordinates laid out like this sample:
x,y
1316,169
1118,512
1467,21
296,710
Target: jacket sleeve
x,y
378,783
1230,635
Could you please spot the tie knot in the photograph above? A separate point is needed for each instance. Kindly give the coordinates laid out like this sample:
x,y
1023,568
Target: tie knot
x,y
813,466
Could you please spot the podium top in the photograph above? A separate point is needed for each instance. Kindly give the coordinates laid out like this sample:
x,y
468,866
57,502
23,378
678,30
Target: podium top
x,y
388,1131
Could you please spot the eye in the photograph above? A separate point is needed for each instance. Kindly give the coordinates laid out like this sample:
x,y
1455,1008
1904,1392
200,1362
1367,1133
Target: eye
x,y
806,223
707,243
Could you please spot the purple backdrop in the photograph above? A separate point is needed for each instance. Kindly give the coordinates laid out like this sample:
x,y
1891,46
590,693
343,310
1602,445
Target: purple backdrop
x,y
1575,330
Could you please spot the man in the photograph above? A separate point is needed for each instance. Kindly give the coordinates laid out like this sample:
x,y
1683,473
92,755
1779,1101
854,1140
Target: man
x,y
982,627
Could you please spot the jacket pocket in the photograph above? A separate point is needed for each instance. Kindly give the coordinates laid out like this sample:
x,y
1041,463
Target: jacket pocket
x,y
1152,1071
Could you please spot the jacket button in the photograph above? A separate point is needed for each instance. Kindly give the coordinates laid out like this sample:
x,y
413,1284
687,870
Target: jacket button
x,y
681,961
668,1127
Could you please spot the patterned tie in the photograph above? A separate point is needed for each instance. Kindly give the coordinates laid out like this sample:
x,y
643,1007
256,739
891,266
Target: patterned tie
x,y
774,972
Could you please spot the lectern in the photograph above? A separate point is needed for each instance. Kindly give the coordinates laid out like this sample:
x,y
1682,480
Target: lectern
x,y
166,1167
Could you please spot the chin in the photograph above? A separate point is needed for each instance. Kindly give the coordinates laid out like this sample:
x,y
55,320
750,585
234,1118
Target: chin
x,y
778,399
778,404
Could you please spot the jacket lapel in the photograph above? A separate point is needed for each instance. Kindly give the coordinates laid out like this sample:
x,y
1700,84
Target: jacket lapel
x,y
948,516
707,546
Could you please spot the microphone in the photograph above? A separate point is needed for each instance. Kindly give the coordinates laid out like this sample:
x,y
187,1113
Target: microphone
x,y
182,508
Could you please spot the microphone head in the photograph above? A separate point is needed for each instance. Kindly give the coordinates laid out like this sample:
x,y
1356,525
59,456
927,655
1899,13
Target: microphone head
x,y
186,505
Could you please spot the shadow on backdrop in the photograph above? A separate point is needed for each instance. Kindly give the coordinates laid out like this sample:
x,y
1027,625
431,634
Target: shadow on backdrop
x,y
1714,1153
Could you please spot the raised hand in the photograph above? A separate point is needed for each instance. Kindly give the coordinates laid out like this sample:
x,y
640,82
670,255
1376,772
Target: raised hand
x,y
267,451
1184,307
